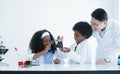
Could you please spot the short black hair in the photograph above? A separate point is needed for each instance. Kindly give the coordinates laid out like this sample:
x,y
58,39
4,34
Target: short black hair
x,y
36,44
100,14
84,28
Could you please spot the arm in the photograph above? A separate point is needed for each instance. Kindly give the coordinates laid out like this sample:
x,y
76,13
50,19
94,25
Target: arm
x,y
36,55
75,57
80,55
115,48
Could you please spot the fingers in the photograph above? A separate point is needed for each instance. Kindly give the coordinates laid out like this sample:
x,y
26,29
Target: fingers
x,y
65,49
101,62
57,61
59,38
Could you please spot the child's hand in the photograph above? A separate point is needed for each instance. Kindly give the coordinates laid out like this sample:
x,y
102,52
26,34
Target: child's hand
x,y
59,39
65,49
56,61
47,47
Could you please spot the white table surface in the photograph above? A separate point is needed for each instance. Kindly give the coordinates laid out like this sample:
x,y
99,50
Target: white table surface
x,y
62,67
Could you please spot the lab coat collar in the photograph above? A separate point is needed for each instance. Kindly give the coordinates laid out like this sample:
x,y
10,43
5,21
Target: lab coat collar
x,y
107,30
81,42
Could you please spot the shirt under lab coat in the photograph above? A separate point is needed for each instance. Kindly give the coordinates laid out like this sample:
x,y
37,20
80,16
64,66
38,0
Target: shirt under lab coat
x,y
108,42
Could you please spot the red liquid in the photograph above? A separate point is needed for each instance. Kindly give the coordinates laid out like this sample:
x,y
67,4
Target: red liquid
x,y
24,63
20,63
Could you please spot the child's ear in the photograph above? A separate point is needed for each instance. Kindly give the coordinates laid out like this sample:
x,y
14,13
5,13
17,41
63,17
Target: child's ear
x,y
105,22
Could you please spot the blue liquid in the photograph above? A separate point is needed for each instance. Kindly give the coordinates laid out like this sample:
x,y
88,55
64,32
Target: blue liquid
x,y
119,61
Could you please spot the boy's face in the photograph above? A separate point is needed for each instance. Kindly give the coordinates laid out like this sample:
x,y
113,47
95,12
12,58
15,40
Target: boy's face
x,y
78,37
46,40
97,25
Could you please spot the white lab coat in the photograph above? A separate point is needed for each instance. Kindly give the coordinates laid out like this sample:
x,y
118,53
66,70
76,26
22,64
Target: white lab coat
x,y
60,55
108,45
82,55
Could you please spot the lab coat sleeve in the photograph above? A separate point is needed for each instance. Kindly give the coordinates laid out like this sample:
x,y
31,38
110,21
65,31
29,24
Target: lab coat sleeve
x,y
113,54
75,57
80,55
59,55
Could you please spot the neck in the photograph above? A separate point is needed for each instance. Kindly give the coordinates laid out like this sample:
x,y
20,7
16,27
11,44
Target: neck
x,y
103,29
80,41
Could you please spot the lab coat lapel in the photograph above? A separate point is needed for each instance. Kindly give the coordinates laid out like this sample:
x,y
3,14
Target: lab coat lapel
x,y
108,31
98,36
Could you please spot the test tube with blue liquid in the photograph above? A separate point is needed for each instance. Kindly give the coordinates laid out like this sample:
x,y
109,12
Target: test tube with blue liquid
x,y
119,60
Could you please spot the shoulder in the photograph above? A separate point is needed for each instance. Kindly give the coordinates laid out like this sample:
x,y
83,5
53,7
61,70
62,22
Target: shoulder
x,y
113,23
84,42
72,45
113,26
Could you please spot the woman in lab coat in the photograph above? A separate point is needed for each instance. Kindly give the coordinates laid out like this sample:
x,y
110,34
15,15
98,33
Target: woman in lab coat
x,y
107,33
79,52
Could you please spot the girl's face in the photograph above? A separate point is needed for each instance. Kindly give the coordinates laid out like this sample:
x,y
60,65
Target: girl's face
x,y
78,37
46,40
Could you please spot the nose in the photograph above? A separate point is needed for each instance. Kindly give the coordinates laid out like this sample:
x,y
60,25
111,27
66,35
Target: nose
x,y
94,27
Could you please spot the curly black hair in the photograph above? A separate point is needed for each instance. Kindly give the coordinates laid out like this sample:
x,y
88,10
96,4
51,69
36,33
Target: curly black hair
x,y
36,44
84,28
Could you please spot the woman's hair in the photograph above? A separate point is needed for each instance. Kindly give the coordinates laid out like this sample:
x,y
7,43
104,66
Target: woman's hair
x,y
36,44
100,14
83,28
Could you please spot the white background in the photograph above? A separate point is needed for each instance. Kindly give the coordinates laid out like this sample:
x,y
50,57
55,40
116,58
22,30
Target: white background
x,y
20,19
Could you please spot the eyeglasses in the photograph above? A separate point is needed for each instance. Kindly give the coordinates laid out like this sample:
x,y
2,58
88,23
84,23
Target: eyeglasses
x,y
94,24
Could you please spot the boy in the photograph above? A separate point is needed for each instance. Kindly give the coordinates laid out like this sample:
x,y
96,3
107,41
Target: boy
x,y
79,52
